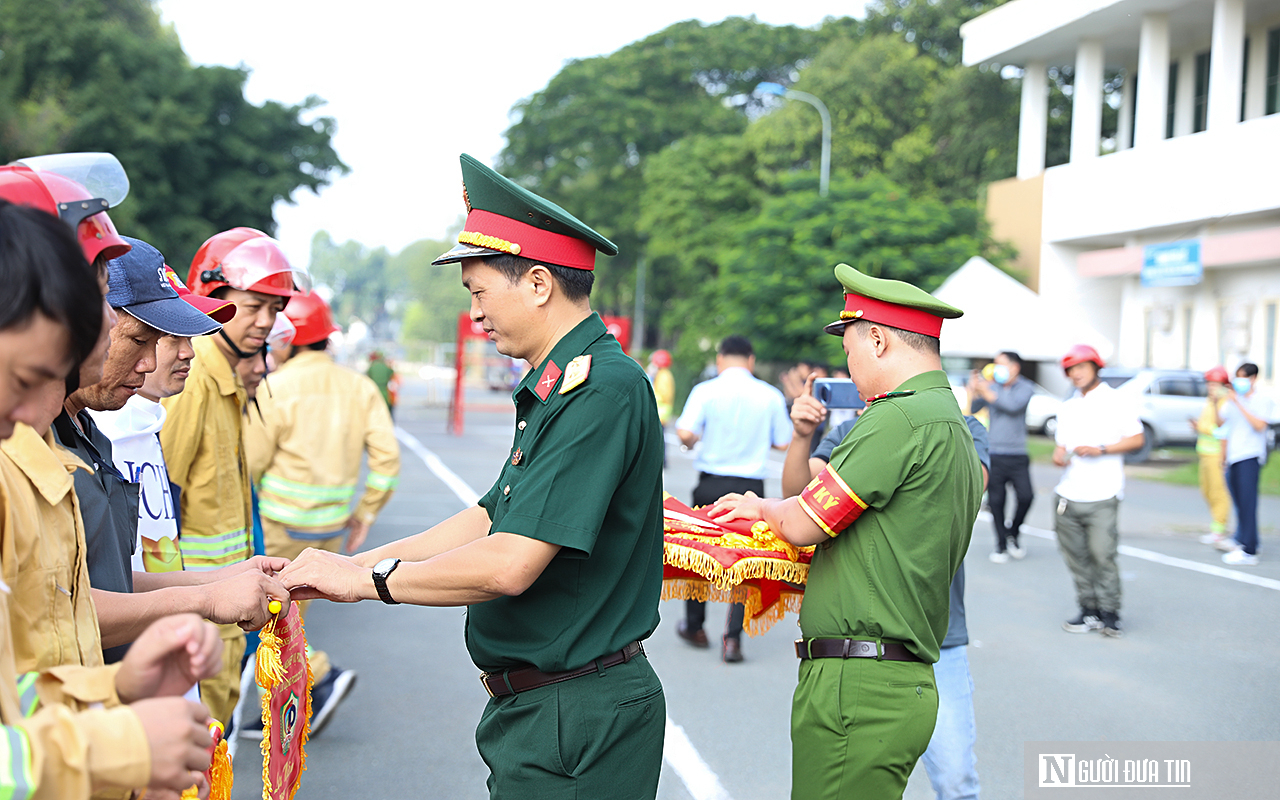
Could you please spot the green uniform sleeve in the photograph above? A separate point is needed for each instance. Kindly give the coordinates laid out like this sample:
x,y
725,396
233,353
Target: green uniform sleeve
x,y
584,452
878,455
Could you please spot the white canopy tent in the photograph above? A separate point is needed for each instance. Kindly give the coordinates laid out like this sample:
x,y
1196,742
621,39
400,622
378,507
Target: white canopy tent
x,y
1002,314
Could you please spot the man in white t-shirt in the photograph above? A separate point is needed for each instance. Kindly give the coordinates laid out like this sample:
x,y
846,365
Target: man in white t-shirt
x,y
1096,426
1244,416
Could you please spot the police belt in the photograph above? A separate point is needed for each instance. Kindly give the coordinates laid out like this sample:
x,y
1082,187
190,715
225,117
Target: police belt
x,y
523,679
853,648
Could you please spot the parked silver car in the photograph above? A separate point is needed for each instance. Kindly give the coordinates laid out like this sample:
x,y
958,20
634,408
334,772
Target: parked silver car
x,y
1167,400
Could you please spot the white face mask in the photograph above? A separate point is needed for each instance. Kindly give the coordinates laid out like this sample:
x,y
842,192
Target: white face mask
x,y
1000,374
1242,385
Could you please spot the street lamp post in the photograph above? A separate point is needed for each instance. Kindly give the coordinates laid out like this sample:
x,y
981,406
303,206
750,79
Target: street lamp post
x,y
778,90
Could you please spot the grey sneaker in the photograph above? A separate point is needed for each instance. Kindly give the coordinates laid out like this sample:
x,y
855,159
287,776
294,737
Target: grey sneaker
x,y
1089,619
1110,622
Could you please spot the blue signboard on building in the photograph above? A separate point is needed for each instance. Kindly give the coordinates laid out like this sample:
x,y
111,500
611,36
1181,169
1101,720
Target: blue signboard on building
x,y
1172,264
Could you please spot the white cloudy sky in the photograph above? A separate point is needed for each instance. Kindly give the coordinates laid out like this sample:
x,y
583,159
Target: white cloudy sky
x,y
413,84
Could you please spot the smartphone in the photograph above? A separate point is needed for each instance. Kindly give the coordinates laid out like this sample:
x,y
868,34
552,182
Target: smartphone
x,y
837,393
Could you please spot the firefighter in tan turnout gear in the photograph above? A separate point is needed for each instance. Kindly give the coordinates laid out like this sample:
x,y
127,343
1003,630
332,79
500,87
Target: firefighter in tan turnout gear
x,y
317,419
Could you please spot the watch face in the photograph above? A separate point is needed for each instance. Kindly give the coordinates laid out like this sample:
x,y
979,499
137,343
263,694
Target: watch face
x,y
385,566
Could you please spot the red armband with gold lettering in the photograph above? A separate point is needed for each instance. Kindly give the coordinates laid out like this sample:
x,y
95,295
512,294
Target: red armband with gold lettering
x,y
830,502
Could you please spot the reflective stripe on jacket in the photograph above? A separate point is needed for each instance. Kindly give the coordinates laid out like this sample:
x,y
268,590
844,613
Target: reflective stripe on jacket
x,y
203,443
317,419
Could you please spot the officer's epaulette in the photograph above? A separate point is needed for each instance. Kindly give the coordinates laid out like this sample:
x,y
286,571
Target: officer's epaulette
x,y
907,393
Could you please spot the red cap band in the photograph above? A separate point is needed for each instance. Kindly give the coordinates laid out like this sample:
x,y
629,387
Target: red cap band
x,y
908,319
531,242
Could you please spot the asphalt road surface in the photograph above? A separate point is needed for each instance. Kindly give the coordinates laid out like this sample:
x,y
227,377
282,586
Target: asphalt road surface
x,y
1197,661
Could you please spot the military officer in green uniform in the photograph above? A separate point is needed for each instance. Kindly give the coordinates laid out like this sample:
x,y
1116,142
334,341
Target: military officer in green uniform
x,y
560,564
891,514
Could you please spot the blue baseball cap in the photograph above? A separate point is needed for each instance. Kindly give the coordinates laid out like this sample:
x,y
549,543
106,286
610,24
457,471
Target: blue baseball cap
x,y
139,285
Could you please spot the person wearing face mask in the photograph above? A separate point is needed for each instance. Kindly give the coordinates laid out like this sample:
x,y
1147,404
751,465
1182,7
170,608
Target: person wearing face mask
x,y
1244,416
1007,396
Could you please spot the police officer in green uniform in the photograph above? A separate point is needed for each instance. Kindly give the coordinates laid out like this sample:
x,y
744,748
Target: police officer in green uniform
x,y
892,514
561,561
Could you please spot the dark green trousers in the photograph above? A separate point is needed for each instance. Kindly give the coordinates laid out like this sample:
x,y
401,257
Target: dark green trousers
x,y
858,726
598,736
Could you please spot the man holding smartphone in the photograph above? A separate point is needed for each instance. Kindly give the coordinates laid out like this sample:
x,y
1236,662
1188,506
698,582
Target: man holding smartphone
x,y
737,417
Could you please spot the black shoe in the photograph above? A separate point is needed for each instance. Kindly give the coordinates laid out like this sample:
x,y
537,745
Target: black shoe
x,y
1110,621
696,638
731,651
1089,619
328,694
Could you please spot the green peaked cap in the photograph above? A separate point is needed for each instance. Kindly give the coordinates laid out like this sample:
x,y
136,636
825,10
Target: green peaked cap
x,y
893,303
504,217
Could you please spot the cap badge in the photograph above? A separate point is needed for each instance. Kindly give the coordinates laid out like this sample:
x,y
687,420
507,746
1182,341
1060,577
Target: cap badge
x,y
466,198
490,242
575,374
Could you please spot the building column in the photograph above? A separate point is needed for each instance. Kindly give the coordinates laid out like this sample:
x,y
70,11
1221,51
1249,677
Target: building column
x,y
1033,119
1185,96
1153,91
1124,123
1255,89
1226,64
1086,101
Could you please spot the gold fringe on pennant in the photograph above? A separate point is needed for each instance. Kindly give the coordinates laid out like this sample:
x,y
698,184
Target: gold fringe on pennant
x,y
270,674
744,569
221,775
757,620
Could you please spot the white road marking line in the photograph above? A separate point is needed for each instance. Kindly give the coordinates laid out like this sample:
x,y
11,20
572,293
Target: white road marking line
x,y
698,778
459,487
1169,561
677,750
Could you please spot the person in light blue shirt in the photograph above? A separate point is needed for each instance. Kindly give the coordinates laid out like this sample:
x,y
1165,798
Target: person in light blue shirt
x,y
737,418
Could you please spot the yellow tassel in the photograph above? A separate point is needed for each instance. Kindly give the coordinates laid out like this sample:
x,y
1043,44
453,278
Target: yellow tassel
x,y
221,775
269,668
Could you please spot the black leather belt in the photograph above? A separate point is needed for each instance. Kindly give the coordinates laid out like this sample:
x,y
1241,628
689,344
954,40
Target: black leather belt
x,y
853,648
523,679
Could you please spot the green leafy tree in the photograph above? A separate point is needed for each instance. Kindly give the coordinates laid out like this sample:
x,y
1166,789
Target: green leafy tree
x,y
777,285
582,141
106,75
932,26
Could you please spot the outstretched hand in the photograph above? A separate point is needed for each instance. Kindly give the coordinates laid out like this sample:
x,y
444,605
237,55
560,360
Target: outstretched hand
x,y
732,507
170,657
242,599
320,575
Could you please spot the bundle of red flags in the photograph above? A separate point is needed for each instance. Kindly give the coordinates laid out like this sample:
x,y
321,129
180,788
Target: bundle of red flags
x,y
734,562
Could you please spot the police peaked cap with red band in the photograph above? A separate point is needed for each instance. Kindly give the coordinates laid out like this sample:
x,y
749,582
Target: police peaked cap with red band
x,y
893,303
503,217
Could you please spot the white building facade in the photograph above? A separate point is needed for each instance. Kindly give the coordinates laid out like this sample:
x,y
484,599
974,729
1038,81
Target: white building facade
x,y
1169,246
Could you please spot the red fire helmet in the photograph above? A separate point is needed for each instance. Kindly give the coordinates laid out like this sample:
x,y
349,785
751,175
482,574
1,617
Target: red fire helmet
x,y
311,315
33,182
246,259
1079,354
1217,375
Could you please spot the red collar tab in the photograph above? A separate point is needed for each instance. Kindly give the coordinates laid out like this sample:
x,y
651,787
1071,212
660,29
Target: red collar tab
x,y
496,232
857,306
886,395
547,380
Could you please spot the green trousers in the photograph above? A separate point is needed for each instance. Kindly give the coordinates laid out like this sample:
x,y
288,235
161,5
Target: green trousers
x,y
858,726
598,736
1088,538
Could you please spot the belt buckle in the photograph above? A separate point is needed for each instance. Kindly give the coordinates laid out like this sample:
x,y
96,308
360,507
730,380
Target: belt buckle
x,y
484,681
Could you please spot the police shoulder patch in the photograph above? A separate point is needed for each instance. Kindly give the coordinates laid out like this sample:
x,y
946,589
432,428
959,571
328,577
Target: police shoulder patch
x,y
575,374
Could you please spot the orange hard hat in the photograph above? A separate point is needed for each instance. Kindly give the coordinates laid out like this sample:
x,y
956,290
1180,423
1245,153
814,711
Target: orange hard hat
x,y
65,198
246,259
311,315
1217,375
1079,354
661,358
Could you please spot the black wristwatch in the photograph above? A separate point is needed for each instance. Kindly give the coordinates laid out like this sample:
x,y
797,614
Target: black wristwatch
x,y
381,571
